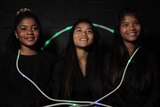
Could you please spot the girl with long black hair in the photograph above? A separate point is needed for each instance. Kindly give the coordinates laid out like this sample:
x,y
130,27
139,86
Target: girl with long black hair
x,y
140,86
78,74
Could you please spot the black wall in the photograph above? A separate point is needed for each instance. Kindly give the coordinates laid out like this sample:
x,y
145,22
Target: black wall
x,y
56,15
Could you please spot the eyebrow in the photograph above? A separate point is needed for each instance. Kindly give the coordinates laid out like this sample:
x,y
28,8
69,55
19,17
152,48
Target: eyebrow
x,y
23,25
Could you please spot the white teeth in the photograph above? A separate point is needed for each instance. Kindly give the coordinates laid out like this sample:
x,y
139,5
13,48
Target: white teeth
x,y
132,33
30,38
83,39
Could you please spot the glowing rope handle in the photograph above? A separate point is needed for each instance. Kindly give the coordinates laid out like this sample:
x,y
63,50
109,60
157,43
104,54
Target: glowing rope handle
x,y
69,28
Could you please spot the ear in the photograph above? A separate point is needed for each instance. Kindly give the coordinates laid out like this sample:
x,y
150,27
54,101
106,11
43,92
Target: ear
x,y
16,34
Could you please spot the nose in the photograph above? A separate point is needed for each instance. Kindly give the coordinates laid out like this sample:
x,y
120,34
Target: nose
x,y
30,31
132,27
84,32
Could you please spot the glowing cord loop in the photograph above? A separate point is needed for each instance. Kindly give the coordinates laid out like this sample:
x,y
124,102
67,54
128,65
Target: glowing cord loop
x,y
56,35
68,102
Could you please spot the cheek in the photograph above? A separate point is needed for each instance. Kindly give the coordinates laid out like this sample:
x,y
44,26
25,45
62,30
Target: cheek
x,y
19,35
138,29
122,29
75,41
91,38
122,32
37,34
75,37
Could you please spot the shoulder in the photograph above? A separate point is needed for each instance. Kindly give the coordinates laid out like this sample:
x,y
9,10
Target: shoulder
x,y
148,54
151,58
9,56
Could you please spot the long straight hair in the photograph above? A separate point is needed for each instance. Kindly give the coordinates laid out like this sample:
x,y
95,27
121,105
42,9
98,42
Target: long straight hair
x,y
93,63
141,72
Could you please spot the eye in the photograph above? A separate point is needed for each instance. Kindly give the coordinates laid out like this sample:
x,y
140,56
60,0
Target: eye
x,y
124,24
78,30
23,29
136,23
89,31
35,28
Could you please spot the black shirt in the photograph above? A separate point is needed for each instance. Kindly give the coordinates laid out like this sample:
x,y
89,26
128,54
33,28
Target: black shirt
x,y
17,90
81,88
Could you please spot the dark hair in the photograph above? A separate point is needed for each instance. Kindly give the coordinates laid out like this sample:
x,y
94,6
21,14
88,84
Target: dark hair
x,y
13,43
131,11
120,56
92,67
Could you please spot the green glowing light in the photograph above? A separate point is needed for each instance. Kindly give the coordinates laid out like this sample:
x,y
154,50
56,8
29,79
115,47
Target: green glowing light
x,y
69,28
74,104
70,101
47,42
57,34
129,61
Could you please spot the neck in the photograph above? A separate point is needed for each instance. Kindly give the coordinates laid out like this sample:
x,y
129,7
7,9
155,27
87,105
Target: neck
x,y
82,57
130,47
27,51
82,54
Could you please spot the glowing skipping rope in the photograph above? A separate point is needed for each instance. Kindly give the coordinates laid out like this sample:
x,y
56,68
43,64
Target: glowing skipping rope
x,y
67,102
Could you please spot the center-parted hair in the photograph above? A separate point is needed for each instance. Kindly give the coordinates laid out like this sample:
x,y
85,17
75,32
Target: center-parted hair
x,y
140,70
93,65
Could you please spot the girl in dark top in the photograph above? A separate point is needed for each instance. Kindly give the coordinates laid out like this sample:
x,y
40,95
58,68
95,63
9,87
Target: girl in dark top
x,y
140,87
26,41
78,74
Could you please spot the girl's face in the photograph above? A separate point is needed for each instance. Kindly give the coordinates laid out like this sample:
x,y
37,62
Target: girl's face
x,y
130,28
27,32
83,35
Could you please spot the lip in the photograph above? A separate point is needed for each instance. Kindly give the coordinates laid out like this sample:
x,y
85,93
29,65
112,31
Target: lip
x,y
30,38
83,39
132,33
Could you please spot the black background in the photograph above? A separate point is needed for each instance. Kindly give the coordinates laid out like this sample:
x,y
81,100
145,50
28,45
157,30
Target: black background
x,y
55,15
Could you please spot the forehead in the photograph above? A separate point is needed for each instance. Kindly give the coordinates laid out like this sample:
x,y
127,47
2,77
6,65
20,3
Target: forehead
x,y
28,21
129,18
83,24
